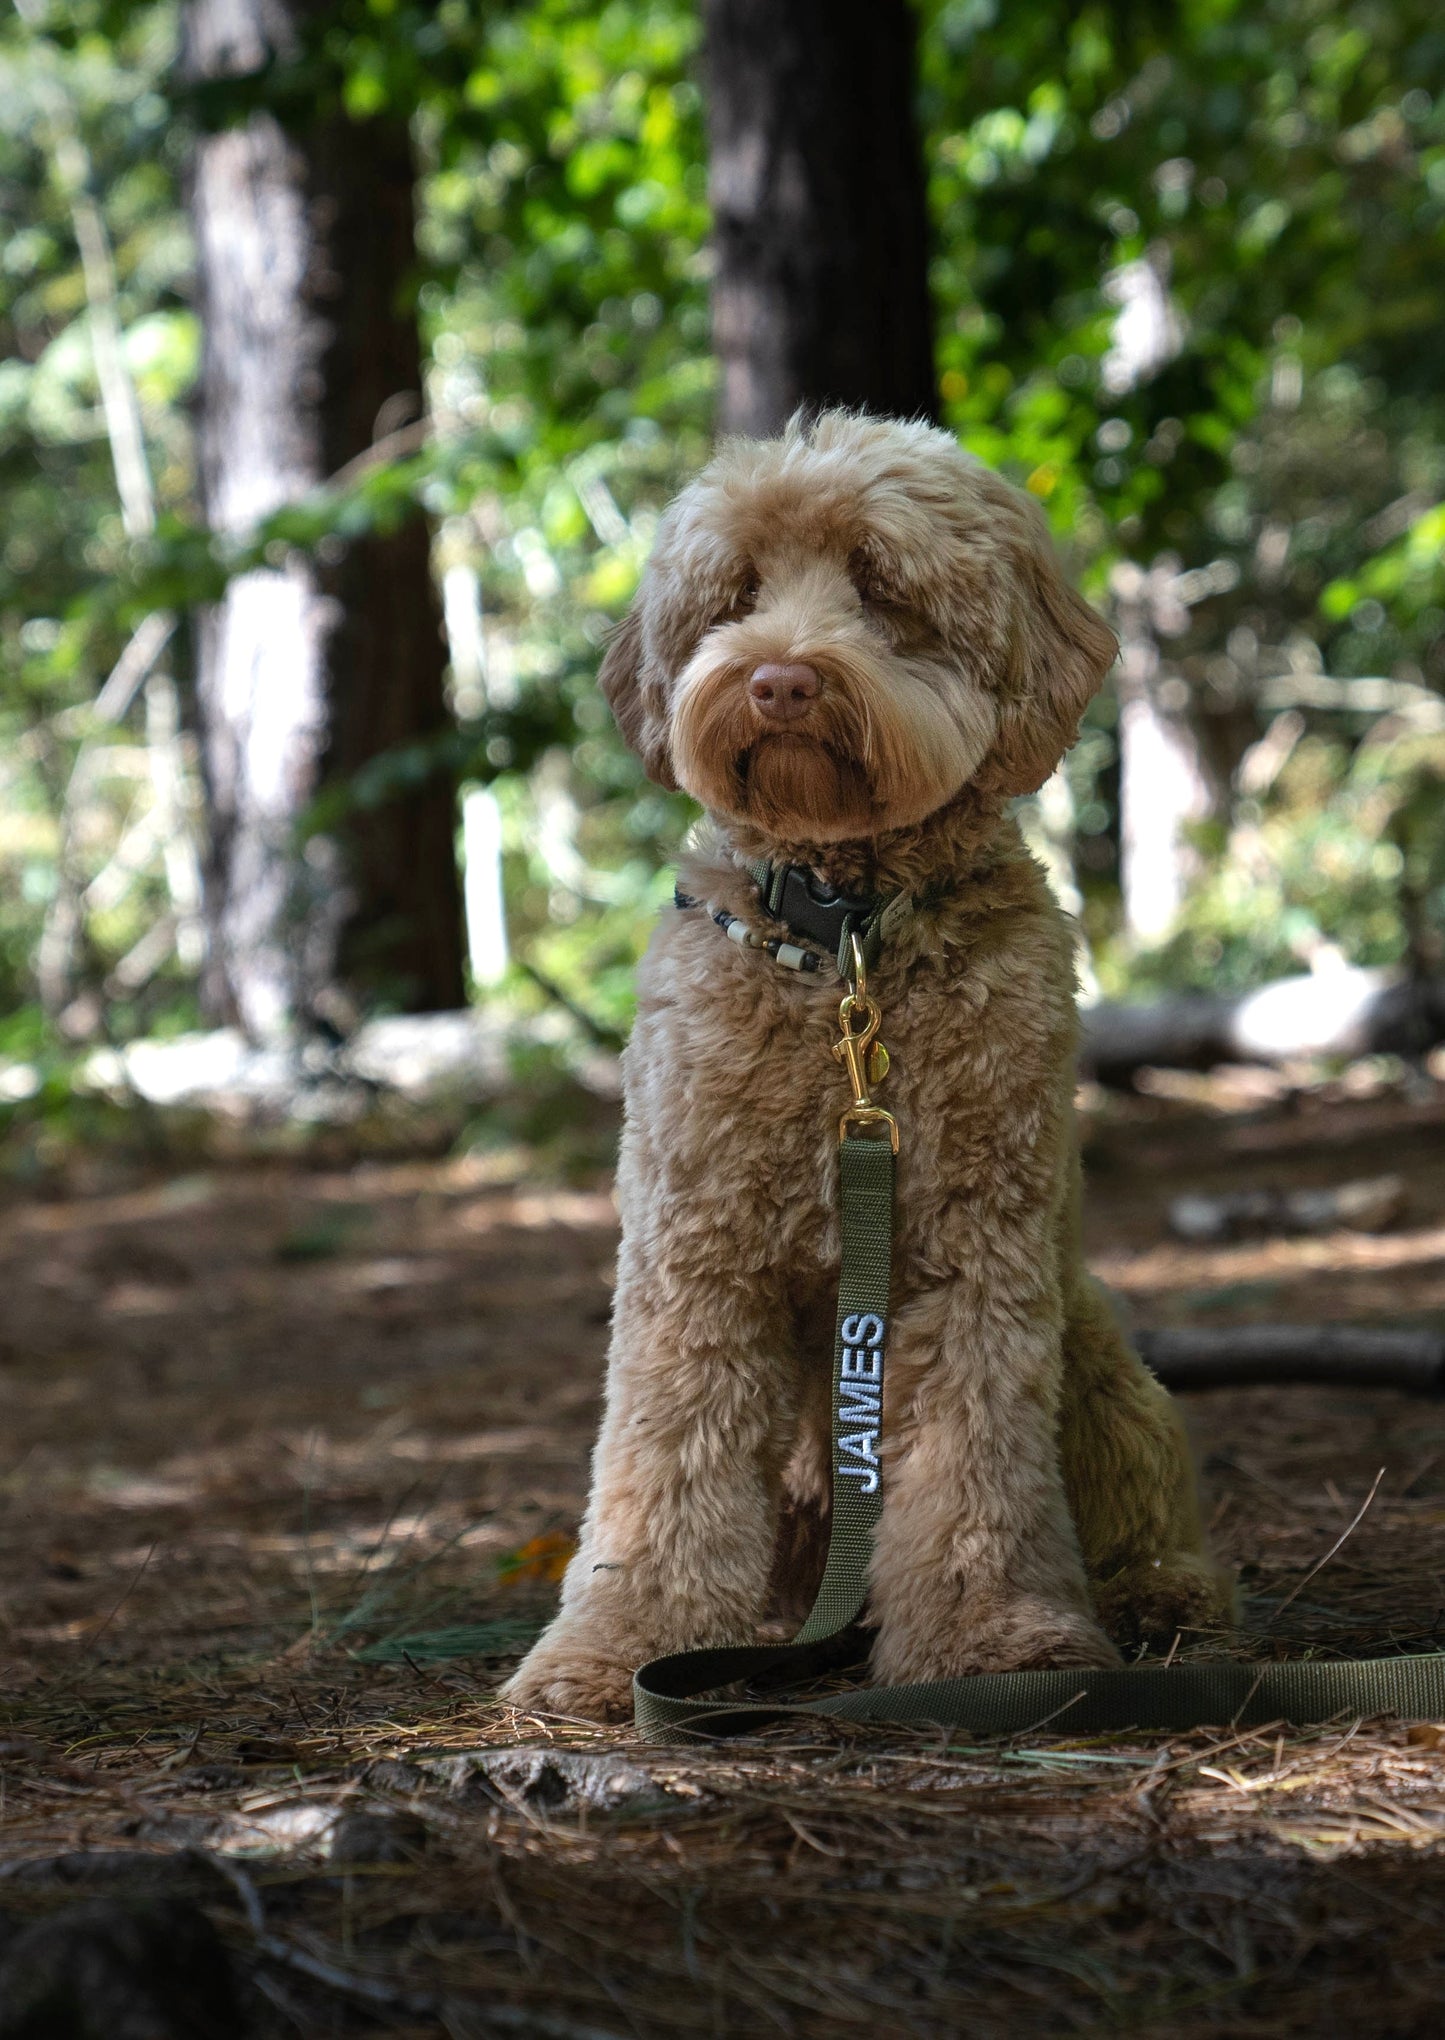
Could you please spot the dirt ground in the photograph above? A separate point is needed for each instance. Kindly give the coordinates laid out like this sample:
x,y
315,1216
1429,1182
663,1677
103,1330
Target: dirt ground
x,y
289,1458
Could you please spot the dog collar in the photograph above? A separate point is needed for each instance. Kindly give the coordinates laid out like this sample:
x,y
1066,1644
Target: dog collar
x,y
808,906
810,910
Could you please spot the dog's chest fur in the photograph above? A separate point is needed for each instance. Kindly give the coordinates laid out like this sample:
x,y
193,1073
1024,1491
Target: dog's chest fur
x,y
733,1093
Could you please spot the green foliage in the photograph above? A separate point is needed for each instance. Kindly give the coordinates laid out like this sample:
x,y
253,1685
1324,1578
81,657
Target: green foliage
x,y
1279,168
1248,196
564,223
60,530
1186,273
1342,859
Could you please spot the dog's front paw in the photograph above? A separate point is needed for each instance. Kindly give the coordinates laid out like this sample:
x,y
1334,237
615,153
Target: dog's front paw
x,y
1154,1602
1017,1635
572,1675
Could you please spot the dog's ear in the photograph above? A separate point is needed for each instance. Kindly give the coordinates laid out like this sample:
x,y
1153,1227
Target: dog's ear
x,y
636,705
1059,651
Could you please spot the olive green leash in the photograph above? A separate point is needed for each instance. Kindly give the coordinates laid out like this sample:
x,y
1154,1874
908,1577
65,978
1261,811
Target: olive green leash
x,y
687,1692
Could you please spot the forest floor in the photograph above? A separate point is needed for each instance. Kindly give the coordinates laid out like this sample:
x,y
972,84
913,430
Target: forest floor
x,y
290,1457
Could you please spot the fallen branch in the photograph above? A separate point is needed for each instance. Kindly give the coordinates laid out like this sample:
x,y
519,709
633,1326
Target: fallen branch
x,y
1367,1206
1338,1014
1313,1356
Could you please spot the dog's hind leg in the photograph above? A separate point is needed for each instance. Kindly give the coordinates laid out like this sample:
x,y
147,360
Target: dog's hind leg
x,y
1131,1488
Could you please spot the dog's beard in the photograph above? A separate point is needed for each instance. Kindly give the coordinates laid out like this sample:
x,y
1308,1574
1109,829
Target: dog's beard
x,y
886,743
791,780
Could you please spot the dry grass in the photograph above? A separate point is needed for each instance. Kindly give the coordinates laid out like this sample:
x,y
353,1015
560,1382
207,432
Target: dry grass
x,y
272,1443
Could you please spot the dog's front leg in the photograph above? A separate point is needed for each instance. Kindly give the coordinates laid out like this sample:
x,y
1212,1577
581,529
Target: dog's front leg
x,y
677,1542
976,1566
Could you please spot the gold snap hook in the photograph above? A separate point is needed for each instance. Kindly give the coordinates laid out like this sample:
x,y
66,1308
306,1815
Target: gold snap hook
x,y
862,1053
860,967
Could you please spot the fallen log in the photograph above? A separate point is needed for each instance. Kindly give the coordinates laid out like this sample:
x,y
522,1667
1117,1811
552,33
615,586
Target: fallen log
x,y
1339,1014
416,1058
1370,1206
1311,1356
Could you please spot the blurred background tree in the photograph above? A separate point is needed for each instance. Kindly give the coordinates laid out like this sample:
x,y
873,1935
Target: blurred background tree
x,y
328,664
1183,286
820,227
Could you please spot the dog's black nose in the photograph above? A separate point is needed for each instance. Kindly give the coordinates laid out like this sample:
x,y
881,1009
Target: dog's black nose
x,y
782,693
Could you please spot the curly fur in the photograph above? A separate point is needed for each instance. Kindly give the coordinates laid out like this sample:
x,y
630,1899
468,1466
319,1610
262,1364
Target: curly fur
x,y
1038,1491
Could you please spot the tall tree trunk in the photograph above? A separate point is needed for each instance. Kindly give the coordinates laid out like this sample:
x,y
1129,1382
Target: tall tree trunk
x,y
820,224
308,671
1164,780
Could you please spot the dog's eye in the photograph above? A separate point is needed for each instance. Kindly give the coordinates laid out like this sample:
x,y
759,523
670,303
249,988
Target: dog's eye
x,y
743,601
872,590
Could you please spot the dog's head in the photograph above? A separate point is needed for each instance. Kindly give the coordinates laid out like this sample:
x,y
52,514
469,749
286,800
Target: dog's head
x,y
841,629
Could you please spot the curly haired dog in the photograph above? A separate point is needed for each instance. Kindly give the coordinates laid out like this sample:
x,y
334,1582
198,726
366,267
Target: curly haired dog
x,y
853,646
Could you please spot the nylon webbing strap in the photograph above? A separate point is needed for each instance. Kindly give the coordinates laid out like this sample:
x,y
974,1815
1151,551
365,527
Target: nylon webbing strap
x,y
662,1690
865,1169
1155,1699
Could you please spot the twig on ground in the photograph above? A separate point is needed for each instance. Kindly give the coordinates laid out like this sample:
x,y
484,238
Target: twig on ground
x,y
67,1685
1044,1719
1338,1546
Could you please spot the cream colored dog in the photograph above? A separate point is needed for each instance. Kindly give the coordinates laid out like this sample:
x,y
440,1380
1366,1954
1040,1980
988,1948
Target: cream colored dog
x,y
854,645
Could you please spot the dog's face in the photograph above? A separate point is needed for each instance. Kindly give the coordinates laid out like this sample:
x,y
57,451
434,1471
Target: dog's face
x,y
842,628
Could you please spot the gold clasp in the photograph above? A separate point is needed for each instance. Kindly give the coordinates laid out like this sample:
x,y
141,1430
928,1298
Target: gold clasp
x,y
862,1053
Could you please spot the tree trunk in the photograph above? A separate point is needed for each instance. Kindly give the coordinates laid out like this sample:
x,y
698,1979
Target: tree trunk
x,y
820,224
1164,785
309,671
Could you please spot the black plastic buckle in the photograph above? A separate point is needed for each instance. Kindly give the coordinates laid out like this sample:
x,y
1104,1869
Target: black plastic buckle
x,y
810,907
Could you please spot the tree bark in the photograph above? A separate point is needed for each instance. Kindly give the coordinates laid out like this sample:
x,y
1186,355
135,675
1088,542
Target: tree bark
x,y
820,222
309,671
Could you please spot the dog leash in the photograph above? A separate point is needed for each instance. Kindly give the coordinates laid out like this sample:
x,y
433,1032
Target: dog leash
x,y
685,1693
